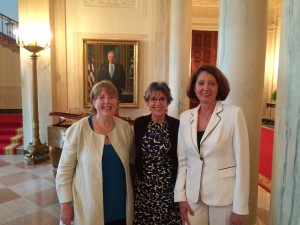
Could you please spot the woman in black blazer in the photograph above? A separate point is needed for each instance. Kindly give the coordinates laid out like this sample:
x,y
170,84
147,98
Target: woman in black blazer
x,y
156,160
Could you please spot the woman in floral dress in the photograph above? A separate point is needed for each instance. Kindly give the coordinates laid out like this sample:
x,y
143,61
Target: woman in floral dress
x,y
156,160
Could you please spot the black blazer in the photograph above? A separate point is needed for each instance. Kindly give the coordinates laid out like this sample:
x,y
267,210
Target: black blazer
x,y
140,128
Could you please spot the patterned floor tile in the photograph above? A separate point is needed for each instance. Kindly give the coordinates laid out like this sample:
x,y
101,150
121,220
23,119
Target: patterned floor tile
x,y
32,186
8,170
45,198
28,167
51,178
27,193
15,209
7,195
38,218
10,180
14,159
42,170
3,163
53,210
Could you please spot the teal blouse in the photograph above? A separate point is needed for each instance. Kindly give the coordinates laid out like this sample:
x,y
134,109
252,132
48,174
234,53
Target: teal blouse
x,y
114,184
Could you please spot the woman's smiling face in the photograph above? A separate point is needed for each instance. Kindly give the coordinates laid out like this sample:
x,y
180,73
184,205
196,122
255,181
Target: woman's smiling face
x,y
157,103
105,104
206,88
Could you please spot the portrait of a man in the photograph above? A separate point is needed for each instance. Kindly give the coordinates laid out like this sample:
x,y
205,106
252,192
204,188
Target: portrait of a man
x,y
112,60
114,72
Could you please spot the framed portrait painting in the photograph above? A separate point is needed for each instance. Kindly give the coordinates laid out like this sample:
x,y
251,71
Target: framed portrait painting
x,y
114,60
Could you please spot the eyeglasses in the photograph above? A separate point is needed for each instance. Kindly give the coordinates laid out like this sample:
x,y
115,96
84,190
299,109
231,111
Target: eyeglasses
x,y
154,99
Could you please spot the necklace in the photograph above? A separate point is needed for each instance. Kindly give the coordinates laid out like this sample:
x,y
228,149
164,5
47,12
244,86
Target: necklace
x,y
98,128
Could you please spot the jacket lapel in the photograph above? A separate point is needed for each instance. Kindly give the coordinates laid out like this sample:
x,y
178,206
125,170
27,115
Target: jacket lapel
x,y
214,120
193,126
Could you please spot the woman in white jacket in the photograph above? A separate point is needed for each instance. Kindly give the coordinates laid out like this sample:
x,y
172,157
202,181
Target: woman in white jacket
x,y
93,181
212,185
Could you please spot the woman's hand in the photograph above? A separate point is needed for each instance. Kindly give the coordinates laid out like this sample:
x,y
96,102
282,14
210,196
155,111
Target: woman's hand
x,y
237,219
66,213
184,210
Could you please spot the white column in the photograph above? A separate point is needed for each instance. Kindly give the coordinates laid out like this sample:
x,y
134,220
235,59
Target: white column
x,y
179,58
285,195
241,56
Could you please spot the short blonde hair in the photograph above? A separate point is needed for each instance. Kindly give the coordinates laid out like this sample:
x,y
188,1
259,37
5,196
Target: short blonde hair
x,y
98,87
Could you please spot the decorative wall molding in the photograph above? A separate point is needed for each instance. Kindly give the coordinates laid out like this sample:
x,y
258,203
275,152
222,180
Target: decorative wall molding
x,y
7,42
206,3
112,3
216,3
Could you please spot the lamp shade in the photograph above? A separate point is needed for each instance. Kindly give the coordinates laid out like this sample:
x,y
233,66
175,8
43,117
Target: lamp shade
x,y
33,37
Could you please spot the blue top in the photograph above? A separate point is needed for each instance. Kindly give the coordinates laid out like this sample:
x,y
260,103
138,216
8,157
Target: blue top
x,y
114,184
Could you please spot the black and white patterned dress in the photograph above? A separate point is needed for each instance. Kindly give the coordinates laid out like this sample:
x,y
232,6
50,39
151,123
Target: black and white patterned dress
x,y
154,194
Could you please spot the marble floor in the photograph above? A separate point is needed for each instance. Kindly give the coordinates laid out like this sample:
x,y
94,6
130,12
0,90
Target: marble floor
x,y
28,196
27,193
263,205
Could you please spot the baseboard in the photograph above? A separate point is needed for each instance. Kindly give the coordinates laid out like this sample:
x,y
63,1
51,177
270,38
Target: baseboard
x,y
20,150
10,111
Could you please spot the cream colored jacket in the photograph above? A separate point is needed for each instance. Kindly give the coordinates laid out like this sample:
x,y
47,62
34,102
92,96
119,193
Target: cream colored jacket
x,y
79,175
222,177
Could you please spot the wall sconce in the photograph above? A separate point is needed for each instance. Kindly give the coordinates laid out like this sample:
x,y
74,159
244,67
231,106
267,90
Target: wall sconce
x,y
38,152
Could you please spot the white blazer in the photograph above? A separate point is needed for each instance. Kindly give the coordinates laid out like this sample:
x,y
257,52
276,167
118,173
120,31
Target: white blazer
x,y
218,172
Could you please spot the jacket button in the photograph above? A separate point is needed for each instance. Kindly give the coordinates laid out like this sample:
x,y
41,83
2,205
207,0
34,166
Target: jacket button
x,y
201,158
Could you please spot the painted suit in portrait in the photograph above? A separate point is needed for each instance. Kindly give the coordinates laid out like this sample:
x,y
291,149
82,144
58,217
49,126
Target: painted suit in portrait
x,y
118,78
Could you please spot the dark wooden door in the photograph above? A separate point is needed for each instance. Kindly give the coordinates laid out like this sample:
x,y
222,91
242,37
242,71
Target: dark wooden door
x,y
204,51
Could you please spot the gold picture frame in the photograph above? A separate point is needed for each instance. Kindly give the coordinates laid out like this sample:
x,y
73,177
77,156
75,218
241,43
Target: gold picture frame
x,y
95,58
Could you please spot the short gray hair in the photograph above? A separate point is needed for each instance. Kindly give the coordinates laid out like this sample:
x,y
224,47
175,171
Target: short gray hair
x,y
158,86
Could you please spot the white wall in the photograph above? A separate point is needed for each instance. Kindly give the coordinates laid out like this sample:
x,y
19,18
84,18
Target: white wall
x,y
145,22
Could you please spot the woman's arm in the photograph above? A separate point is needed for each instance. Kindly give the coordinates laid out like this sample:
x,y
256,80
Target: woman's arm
x,y
66,167
241,153
179,191
185,209
66,213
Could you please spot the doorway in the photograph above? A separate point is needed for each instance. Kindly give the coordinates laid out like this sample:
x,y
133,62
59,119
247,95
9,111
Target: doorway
x,y
204,51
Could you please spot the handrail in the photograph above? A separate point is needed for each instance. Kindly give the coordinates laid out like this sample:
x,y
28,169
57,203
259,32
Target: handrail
x,y
7,26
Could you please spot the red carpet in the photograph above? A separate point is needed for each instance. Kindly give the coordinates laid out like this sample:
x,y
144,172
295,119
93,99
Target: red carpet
x,y
265,162
11,133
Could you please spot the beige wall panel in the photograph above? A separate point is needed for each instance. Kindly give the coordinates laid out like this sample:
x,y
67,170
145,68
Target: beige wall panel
x,y
10,77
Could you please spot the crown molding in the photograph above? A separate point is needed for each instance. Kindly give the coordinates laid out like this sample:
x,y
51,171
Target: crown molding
x,y
206,3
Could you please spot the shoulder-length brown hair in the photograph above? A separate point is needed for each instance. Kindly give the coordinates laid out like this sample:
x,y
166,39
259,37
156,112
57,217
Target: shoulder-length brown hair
x,y
223,84
98,87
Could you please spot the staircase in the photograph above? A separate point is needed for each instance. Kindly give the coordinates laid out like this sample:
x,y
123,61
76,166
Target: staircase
x,y
11,133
